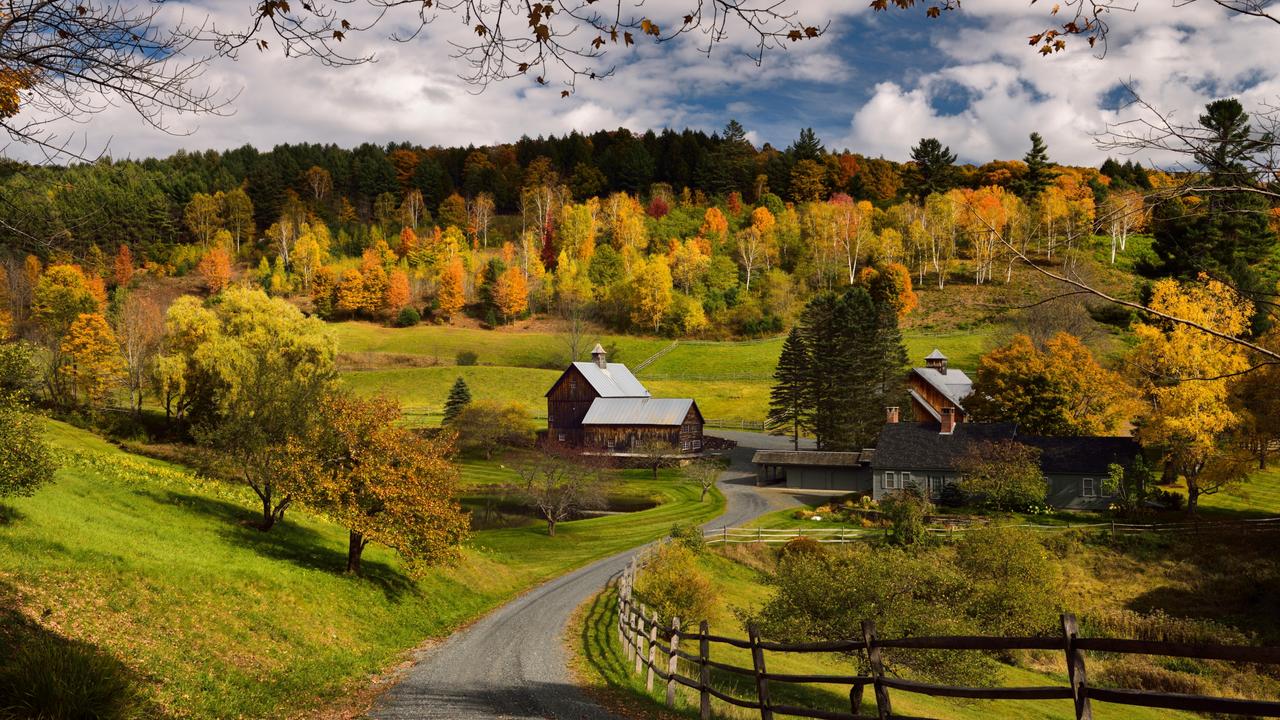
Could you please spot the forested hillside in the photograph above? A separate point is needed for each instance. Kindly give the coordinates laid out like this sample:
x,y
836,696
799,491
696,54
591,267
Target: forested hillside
x,y
678,233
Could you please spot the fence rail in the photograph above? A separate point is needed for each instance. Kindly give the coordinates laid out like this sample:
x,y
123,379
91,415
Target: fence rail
x,y
732,424
773,536
644,637
656,356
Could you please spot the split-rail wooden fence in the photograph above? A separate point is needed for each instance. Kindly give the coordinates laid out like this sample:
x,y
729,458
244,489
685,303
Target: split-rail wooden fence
x,y
655,647
731,535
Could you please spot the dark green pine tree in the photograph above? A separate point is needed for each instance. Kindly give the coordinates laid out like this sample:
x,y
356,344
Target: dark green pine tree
x,y
806,147
459,397
836,331
890,355
934,170
1039,169
790,406
1225,234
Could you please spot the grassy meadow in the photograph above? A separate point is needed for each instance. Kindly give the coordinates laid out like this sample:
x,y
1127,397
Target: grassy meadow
x,y
730,380
159,569
1176,582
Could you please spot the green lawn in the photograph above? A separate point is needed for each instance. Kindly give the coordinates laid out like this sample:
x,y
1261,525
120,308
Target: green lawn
x,y
1259,495
160,569
601,665
423,389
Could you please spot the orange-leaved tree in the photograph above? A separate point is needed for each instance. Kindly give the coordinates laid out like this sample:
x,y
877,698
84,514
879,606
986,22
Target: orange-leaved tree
x,y
511,293
94,365
381,481
215,269
451,295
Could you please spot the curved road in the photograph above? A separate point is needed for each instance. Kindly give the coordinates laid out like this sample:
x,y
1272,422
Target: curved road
x,y
512,664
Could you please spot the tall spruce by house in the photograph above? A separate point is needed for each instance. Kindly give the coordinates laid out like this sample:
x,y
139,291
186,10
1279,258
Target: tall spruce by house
x,y
789,402
459,397
850,368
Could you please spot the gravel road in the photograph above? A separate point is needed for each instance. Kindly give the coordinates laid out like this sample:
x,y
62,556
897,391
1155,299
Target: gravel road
x,y
511,664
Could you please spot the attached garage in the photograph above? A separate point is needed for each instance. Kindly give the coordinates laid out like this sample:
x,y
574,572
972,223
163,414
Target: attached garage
x,y
815,470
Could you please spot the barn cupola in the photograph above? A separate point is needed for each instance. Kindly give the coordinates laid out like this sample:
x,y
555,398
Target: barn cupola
x,y
598,356
936,361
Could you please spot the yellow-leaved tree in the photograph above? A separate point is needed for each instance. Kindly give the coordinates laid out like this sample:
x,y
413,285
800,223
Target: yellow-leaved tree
x,y
1185,374
94,366
382,482
451,295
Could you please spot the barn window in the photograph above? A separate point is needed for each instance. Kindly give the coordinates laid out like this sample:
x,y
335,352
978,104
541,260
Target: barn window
x,y
1089,487
697,444
573,384
609,443
561,437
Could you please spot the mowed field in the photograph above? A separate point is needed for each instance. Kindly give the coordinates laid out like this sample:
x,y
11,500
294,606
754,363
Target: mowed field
x,y
160,570
729,380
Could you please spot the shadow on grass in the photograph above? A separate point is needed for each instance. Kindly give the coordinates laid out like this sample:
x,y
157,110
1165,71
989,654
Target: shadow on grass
x,y
1225,578
290,542
10,515
51,677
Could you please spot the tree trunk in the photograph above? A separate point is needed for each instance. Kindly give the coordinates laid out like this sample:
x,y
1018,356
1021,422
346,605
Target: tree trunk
x,y
704,494
355,548
1193,496
551,527
268,514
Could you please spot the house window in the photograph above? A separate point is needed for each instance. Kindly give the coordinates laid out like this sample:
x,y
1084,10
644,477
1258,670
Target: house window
x,y
561,437
906,479
935,485
1089,487
890,480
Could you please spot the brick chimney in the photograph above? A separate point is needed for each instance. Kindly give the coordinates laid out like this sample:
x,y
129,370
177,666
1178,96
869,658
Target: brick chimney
x,y
948,420
936,361
891,415
598,357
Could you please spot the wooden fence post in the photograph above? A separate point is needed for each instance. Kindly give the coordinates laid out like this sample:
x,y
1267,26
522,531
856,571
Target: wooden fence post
x,y
653,649
757,663
704,672
672,658
855,697
1075,667
640,638
883,708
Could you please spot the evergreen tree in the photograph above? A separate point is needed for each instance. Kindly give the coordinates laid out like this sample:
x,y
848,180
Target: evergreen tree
x,y
789,402
1039,169
459,397
1223,233
934,170
806,147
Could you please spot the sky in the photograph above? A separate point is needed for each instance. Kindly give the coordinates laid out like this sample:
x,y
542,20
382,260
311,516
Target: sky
x,y
874,83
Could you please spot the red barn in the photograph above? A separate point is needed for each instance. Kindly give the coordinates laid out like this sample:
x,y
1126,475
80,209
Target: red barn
x,y
600,405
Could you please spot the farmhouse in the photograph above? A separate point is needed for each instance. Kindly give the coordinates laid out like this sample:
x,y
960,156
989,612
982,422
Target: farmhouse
x,y
601,406
922,455
926,451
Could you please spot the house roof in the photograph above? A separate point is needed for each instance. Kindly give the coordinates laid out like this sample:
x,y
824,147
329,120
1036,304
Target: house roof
x,y
811,457
954,384
638,411
1083,455
612,381
919,445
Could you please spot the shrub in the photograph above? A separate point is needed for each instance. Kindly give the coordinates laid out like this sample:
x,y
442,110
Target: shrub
x,y
951,496
1004,475
801,546
1138,673
487,426
690,536
52,679
467,357
408,317
1169,499
1014,580
906,511
672,584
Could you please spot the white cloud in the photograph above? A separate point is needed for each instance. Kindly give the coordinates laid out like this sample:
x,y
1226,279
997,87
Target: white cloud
x,y
1177,58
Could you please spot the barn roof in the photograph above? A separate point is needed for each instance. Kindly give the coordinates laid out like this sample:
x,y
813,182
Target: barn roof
x,y
612,381
638,411
954,384
811,457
